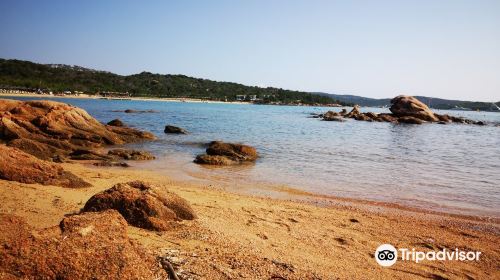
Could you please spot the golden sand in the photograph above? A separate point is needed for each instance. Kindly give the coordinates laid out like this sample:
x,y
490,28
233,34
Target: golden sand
x,y
241,236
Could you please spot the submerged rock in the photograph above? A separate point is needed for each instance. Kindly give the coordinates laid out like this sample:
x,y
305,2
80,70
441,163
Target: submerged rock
x,y
175,130
85,246
142,205
334,119
16,165
130,111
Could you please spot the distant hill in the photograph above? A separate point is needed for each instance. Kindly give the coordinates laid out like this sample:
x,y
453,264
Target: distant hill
x,y
60,77
436,103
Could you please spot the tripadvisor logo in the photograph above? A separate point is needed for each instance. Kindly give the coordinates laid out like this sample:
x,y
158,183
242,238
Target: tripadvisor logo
x,y
387,255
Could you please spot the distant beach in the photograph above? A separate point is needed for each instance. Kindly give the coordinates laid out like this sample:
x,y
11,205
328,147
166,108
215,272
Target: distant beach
x,y
192,100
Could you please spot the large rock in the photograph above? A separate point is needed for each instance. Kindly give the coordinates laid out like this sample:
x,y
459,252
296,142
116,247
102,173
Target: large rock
x,y
221,153
86,246
16,165
142,205
234,151
409,106
58,125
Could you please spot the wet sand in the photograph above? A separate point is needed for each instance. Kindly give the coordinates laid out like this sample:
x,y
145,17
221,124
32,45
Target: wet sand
x,y
248,237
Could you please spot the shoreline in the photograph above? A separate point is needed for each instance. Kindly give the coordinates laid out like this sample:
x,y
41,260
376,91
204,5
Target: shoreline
x,y
167,99
246,186
188,100
290,193
325,240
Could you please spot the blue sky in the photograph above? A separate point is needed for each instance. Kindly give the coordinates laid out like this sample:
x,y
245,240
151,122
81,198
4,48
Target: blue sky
x,y
441,48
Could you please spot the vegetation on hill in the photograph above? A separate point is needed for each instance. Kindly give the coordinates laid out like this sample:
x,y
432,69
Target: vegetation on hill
x,y
59,78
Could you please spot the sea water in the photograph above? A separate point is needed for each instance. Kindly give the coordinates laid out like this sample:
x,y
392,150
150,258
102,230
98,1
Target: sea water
x,y
453,168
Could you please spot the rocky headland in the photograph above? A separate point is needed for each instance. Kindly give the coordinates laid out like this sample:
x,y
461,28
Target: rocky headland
x,y
56,132
404,109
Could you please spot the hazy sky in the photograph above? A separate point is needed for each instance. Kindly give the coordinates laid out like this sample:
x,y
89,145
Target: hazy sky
x,y
439,48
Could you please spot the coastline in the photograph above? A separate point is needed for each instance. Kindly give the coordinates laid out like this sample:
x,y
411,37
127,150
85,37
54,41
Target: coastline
x,y
179,99
246,236
189,100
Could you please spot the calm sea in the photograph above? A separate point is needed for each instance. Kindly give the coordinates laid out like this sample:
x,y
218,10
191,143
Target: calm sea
x,y
452,168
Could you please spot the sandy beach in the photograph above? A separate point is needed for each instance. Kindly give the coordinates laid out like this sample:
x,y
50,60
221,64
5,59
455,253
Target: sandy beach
x,y
246,237
191,100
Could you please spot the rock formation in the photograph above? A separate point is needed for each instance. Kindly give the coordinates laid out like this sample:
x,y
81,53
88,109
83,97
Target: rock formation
x,y
142,205
86,246
409,106
16,165
405,109
49,128
221,153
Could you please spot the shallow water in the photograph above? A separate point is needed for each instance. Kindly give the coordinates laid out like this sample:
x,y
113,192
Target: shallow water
x,y
452,168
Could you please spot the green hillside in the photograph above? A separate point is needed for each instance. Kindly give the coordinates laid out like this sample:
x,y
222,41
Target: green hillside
x,y
59,78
